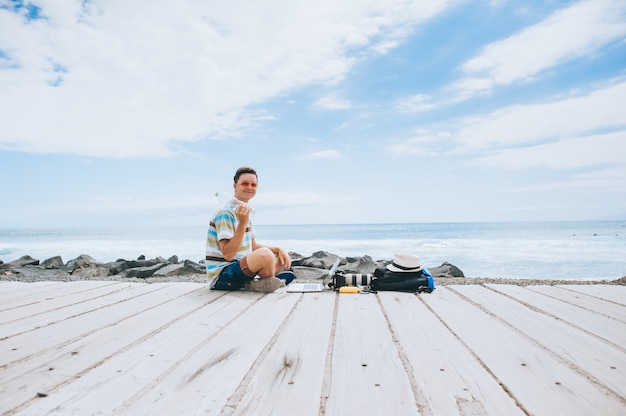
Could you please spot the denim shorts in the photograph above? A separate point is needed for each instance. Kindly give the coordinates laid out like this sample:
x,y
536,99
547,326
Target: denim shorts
x,y
231,277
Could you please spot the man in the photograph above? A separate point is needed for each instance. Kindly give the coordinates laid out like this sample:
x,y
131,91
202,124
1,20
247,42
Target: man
x,y
234,259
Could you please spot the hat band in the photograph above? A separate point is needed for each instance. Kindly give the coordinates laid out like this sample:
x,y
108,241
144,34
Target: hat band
x,y
403,267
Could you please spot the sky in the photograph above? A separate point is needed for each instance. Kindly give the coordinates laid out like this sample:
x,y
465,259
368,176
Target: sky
x,y
124,113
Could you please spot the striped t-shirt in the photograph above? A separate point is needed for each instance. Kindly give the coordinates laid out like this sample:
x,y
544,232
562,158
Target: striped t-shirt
x,y
221,227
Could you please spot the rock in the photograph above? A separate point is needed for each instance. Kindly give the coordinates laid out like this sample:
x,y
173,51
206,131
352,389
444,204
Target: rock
x,y
192,265
55,262
180,269
446,270
22,261
363,265
37,273
620,281
314,267
142,263
309,273
320,260
91,272
177,269
116,267
80,262
142,272
295,256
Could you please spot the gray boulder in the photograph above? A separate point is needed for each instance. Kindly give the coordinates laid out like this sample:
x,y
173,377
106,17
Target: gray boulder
x,y
22,261
363,265
177,269
187,267
192,265
142,272
142,262
81,262
320,260
309,273
37,273
116,267
446,270
91,272
55,262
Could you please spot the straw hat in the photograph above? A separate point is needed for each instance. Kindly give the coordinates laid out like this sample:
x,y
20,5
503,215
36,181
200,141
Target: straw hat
x,y
405,263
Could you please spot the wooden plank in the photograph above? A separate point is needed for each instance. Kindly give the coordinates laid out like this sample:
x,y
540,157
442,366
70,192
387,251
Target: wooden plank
x,y
439,359
131,360
593,358
37,305
611,293
582,300
538,381
289,378
32,344
605,327
179,348
368,376
59,363
36,293
116,295
8,287
200,379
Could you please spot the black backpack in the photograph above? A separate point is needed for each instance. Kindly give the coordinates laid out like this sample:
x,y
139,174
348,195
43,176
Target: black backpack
x,y
420,281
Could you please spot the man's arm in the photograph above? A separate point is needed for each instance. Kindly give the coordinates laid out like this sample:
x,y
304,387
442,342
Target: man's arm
x,y
230,247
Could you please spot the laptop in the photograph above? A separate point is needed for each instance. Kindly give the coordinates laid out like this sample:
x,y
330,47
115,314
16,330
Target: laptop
x,y
308,287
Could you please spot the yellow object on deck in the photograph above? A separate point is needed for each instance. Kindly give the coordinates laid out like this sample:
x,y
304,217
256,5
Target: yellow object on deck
x,y
349,289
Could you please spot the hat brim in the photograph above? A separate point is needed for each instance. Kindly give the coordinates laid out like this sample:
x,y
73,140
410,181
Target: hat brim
x,y
398,270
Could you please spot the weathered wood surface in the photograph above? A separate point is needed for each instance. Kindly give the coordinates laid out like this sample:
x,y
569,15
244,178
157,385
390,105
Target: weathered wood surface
x,y
100,348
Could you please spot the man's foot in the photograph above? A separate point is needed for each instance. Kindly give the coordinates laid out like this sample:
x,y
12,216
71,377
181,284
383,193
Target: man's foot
x,y
265,285
288,276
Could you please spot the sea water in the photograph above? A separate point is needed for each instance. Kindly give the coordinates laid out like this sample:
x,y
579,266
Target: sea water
x,y
538,250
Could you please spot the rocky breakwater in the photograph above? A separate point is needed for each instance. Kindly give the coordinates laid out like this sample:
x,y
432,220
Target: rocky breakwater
x,y
85,267
159,269
316,266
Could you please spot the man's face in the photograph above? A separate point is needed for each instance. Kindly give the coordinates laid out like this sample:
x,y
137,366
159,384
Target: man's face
x,y
245,188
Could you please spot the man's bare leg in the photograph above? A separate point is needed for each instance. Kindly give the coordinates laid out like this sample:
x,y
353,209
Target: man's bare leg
x,y
263,262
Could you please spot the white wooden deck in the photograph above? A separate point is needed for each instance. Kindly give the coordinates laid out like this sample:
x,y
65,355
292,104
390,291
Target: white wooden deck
x,y
101,348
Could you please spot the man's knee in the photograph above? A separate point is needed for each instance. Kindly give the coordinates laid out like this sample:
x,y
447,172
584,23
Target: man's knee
x,y
262,258
266,255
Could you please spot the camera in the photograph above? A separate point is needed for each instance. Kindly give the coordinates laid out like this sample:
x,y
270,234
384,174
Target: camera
x,y
341,279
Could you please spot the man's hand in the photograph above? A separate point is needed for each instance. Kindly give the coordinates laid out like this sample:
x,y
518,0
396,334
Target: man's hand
x,y
283,257
243,212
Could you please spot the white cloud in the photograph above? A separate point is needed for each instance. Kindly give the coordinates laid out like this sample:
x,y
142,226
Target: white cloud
x,y
568,34
323,154
134,204
124,80
424,143
595,150
332,102
414,104
603,180
525,124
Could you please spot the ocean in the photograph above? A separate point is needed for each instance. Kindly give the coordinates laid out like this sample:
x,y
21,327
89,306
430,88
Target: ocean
x,y
530,250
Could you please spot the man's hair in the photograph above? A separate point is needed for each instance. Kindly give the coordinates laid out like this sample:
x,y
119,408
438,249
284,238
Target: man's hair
x,y
244,169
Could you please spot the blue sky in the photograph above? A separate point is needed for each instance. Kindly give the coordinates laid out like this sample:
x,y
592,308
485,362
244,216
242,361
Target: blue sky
x,y
118,113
